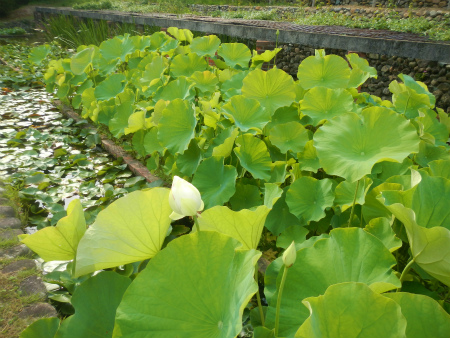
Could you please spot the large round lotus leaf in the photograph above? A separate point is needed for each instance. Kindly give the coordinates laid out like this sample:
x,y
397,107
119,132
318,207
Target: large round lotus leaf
x,y
308,198
131,229
119,122
246,113
431,128
322,103
352,310
205,81
81,60
42,328
345,193
215,181
246,225
233,85
196,287
381,229
349,145
95,302
151,143
430,247
186,65
205,45
110,87
329,71
59,242
176,127
273,89
222,145
283,115
253,156
235,54
426,318
289,136
348,255
117,48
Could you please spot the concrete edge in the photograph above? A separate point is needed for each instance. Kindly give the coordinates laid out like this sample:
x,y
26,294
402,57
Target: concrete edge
x,y
433,51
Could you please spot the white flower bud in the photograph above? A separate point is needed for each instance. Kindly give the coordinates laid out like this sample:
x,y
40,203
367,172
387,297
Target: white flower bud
x,y
184,199
289,255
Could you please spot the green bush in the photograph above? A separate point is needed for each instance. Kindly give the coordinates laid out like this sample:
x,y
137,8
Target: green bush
x,y
6,6
94,5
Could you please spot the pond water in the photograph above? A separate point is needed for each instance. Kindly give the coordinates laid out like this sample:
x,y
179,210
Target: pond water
x,y
53,160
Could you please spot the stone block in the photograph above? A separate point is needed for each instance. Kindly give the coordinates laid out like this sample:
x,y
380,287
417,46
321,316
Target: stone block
x,y
38,310
10,223
7,211
33,285
23,264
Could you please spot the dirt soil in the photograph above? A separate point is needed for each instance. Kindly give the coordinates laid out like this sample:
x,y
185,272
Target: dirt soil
x,y
22,13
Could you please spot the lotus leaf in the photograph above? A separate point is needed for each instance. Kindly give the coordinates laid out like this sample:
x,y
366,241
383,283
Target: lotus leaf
x,y
180,88
186,65
235,54
59,242
345,193
105,292
246,113
273,89
272,192
188,162
81,61
205,81
426,318
246,225
223,143
295,233
215,181
205,45
117,48
361,70
440,168
181,34
430,247
176,127
381,229
131,229
349,145
289,136
280,217
266,56
308,198
322,103
365,314
253,156
42,328
166,303
247,196
348,255
110,87
308,159
39,53
428,199
330,71
119,122
428,153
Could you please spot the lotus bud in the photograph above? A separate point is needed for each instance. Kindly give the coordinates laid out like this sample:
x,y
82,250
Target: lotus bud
x,y
184,199
289,255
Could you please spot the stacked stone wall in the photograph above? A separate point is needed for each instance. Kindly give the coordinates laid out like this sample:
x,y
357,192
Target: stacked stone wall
x,y
434,74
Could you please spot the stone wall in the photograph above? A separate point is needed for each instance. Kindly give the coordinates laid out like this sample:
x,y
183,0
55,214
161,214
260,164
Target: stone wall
x,y
434,74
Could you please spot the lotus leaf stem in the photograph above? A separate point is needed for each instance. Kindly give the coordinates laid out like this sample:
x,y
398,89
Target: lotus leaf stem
x,y
280,292
197,226
405,271
353,205
258,297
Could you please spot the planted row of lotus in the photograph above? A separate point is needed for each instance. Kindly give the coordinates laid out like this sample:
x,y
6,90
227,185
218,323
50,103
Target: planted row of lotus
x,y
349,178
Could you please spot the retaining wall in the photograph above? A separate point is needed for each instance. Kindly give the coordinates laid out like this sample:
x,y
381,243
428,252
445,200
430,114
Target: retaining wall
x,y
426,61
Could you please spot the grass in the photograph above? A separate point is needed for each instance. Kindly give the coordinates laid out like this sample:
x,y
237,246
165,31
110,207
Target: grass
x,y
11,303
